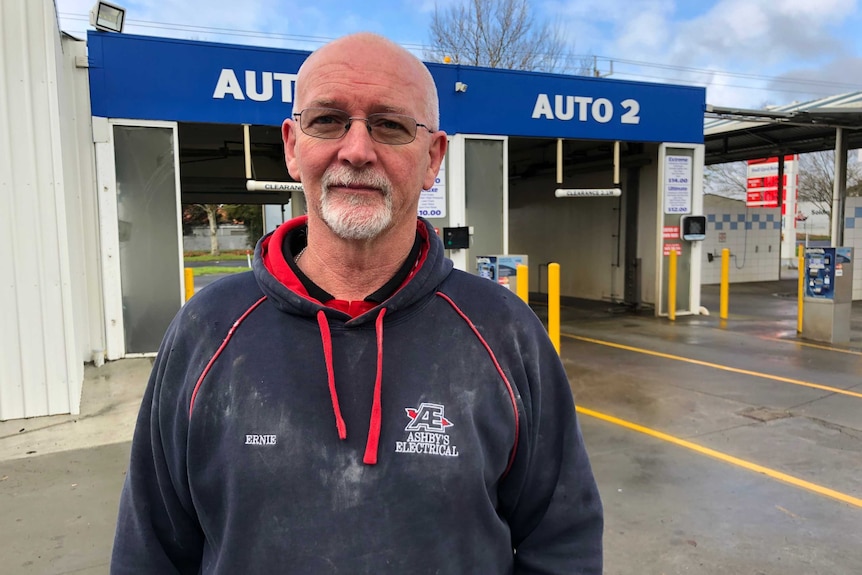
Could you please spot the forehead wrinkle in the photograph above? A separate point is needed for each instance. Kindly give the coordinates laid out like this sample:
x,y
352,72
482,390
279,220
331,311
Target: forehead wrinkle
x,y
339,107
340,95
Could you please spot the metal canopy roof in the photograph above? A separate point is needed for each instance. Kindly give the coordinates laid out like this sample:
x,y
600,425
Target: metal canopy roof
x,y
741,134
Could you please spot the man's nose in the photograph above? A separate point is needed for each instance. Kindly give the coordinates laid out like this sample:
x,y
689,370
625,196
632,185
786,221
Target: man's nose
x,y
357,147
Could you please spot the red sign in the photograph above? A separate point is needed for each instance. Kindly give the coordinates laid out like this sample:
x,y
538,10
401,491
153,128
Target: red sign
x,y
762,182
670,232
673,248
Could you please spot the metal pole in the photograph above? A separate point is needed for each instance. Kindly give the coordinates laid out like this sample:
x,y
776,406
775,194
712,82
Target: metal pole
x,y
554,304
190,282
800,288
839,188
246,146
783,215
725,283
559,160
671,287
523,282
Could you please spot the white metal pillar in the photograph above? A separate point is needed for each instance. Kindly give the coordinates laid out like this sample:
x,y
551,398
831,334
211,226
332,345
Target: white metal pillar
x,y
839,188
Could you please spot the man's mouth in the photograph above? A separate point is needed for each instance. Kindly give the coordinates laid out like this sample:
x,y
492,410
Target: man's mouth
x,y
355,188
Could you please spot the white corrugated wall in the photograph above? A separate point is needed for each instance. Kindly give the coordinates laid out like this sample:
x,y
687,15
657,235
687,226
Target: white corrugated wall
x,y
82,211
45,298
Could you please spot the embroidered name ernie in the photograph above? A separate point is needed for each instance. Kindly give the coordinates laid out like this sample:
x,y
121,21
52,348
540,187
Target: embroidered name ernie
x,y
260,439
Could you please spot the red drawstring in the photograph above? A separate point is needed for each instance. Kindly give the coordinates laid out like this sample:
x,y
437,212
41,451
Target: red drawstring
x,y
330,372
374,427
371,445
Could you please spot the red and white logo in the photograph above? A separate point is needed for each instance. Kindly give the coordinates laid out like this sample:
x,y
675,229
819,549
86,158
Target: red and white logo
x,y
427,417
426,432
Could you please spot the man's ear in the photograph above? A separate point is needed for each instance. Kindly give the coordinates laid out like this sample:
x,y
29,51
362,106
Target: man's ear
x,y
288,136
436,151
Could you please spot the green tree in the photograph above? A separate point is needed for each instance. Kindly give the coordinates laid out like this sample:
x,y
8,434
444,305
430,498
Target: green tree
x,y
249,215
200,214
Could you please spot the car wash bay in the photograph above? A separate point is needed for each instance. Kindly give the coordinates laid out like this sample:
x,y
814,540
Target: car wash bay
x,y
205,117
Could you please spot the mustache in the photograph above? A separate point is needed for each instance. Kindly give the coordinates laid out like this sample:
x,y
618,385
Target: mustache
x,y
345,176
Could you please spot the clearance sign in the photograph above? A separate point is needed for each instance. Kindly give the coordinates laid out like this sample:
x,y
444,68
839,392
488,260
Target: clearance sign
x,y
762,182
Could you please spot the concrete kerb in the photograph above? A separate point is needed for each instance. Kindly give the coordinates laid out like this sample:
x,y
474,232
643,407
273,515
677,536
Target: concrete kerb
x,y
110,400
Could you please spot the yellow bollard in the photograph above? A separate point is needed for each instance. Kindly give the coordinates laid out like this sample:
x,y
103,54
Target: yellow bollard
x,y
523,283
725,283
671,287
554,305
190,283
800,289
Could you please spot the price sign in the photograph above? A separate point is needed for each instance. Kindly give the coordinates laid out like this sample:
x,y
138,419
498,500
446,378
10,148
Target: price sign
x,y
677,185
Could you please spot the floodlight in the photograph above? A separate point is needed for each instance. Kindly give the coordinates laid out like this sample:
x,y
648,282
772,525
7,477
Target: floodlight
x,y
107,17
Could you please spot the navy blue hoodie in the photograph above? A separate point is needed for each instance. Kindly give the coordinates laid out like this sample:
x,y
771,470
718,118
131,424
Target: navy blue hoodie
x,y
435,433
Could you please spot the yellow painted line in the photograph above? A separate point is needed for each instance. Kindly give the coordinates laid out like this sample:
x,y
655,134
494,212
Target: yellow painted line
x,y
795,481
814,345
716,365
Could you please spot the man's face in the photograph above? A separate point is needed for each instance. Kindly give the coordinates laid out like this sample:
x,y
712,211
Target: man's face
x,y
357,186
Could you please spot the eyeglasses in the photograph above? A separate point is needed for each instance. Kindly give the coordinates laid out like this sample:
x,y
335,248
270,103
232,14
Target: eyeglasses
x,y
332,124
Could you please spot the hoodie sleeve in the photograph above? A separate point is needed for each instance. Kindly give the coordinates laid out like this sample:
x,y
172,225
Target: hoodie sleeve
x,y
157,528
550,495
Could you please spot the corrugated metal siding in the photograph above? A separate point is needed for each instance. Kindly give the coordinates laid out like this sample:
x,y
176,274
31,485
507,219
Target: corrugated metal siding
x,y
41,369
82,212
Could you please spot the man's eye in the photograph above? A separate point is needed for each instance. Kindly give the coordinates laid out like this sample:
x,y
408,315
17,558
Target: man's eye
x,y
389,124
326,120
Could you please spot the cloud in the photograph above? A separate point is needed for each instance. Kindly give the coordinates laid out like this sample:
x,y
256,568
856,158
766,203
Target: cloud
x,y
809,82
762,42
751,34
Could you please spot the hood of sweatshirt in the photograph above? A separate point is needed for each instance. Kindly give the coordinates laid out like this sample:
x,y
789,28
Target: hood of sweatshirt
x,y
285,291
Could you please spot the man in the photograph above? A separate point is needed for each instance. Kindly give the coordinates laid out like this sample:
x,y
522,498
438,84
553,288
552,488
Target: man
x,y
355,405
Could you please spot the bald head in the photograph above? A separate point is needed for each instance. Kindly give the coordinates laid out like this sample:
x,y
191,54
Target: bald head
x,y
365,51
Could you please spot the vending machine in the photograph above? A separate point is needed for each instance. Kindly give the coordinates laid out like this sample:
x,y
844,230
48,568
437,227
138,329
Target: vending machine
x,y
828,291
503,269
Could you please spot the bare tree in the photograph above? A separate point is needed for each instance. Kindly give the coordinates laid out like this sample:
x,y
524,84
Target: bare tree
x,y
729,180
499,34
817,178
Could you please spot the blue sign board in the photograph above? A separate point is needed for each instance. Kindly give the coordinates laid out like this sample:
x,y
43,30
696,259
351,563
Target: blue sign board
x,y
142,77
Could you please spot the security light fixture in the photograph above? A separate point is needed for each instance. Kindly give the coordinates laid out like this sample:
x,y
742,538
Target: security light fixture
x,y
107,17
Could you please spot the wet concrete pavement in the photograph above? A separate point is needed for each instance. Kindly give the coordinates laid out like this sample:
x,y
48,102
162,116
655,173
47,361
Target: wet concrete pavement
x,y
60,476
720,448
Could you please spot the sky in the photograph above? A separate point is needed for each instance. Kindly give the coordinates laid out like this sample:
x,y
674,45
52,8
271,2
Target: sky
x,y
747,53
